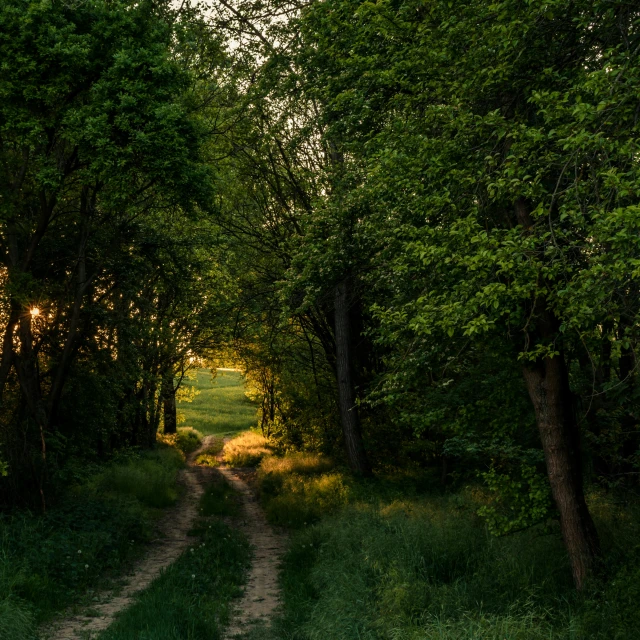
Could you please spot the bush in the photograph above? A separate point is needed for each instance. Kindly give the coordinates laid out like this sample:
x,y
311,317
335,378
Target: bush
x,y
246,450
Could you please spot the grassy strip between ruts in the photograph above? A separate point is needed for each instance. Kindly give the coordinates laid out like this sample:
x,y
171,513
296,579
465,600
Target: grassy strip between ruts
x,y
190,600
86,539
389,559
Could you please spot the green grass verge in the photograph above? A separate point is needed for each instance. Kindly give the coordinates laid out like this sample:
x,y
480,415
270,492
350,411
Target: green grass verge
x,y
221,407
50,562
387,560
190,600
220,499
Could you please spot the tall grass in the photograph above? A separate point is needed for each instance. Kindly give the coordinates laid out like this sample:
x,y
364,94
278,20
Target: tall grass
x,y
246,450
300,488
48,562
388,561
150,479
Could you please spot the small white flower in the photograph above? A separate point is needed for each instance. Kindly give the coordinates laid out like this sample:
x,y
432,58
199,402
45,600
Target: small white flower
x,y
79,550
193,575
86,566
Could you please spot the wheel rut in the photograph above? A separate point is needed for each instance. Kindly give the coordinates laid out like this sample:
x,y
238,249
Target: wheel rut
x,y
172,540
261,595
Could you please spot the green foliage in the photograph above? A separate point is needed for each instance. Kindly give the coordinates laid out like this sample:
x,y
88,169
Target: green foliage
x,y
191,599
16,620
188,439
299,489
520,502
47,562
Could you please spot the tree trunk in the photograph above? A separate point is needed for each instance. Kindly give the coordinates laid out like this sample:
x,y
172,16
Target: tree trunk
x,y
169,405
547,381
346,396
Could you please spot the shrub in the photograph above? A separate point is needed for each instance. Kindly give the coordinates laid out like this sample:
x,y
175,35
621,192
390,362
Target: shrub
x,y
246,450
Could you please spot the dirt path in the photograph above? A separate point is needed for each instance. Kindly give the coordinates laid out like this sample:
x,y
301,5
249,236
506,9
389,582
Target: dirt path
x,y
262,593
171,542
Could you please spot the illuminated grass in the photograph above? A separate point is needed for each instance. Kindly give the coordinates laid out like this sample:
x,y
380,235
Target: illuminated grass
x,y
246,450
221,408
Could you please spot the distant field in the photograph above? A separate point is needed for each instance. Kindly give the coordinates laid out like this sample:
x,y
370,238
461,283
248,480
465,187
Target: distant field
x,y
221,406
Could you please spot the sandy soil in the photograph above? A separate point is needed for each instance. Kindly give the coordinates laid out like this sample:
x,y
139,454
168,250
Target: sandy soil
x,y
171,542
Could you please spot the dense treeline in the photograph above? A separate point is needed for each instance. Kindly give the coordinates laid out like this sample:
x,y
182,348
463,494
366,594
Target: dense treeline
x,y
416,225
106,251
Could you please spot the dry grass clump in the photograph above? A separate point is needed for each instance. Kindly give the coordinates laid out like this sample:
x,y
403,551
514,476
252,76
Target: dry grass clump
x,y
246,450
304,463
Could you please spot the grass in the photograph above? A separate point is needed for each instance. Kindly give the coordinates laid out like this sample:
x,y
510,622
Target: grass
x,y
208,457
246,450
151,479
387,559
220,407
190,600
186,439
85,541
220,499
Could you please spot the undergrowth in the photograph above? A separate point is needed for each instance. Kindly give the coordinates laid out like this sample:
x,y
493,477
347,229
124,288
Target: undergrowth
x,y
48,562
388,560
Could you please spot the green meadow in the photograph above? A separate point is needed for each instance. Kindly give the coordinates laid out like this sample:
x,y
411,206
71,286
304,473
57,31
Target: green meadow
x,y
220,406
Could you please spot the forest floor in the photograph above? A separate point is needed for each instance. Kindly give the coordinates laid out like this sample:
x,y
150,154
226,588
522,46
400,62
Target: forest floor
x,y
172,540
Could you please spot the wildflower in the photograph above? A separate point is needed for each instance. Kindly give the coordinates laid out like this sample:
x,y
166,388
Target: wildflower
x,y
79,550
86,566
193,575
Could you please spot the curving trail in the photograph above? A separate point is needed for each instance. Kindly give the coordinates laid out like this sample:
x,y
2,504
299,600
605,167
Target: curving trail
x,y
172,540
261,595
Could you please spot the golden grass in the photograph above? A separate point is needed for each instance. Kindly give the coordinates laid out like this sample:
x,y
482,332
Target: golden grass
x,y
301,463
246,450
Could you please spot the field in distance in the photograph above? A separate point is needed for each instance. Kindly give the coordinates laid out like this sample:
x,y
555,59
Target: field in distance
x,y
221,407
